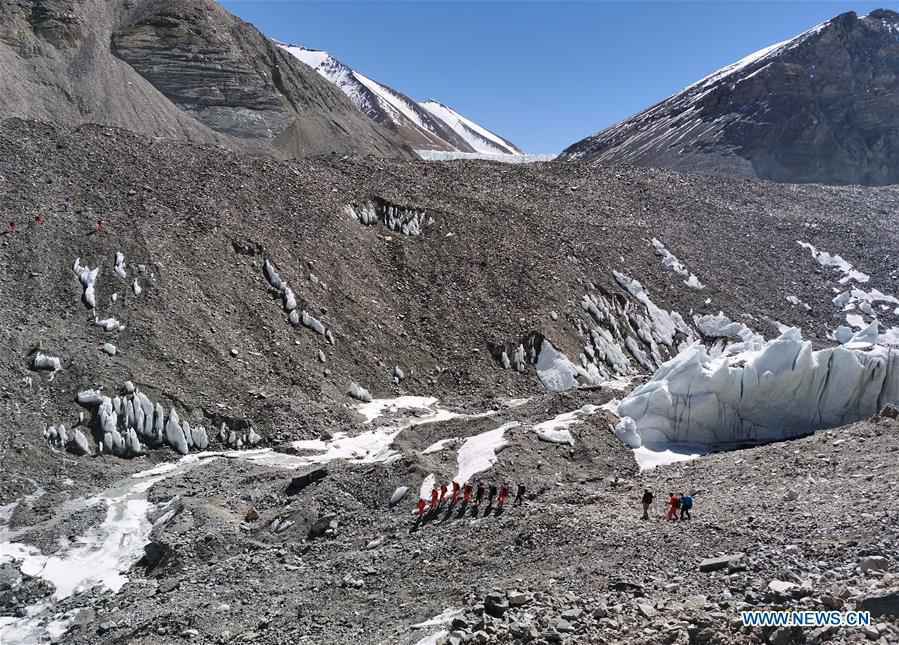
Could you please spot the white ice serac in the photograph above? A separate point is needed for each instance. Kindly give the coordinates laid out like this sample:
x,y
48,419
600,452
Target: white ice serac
x,y
782,390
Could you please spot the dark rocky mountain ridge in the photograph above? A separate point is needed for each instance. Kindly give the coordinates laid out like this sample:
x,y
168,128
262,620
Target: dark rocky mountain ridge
x,y
821,107
184,68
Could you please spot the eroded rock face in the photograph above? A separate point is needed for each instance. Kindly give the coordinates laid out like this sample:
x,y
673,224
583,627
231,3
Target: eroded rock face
x,y
822,107
57,20
174,68
178,47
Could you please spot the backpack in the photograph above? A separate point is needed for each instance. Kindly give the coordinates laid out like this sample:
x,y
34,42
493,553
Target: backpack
x,y
687,502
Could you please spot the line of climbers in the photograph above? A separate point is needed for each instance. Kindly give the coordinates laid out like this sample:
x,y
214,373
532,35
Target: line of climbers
x,y
470,495
681,502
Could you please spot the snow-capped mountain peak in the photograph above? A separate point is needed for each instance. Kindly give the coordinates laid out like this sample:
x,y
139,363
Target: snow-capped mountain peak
x,y
777,113
427,125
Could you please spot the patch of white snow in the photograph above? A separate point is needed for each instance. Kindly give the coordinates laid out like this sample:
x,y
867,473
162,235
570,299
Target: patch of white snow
x,y
478,453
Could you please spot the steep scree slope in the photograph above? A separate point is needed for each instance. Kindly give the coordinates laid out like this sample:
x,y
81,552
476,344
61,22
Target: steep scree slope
x,y
504,254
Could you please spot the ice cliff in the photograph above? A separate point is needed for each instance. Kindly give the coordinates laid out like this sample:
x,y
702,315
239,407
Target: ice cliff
x,y
777,390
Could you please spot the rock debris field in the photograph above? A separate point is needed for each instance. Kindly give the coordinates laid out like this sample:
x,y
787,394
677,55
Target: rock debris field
x,y
228,379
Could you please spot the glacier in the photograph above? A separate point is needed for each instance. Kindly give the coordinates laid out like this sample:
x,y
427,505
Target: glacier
x,y
502,157
777,390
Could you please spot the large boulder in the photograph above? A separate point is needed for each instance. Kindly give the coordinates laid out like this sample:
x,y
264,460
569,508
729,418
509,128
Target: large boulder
x,y
299,482
881,605
398,495
321,525
44,362
496,604
358,392
719,563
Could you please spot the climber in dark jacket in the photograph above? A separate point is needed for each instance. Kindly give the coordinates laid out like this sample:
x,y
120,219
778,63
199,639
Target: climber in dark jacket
x,y
647,502
519,495
686,503
491,494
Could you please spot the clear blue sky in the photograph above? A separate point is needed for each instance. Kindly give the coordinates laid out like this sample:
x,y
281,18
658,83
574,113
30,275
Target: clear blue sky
x,y
541,74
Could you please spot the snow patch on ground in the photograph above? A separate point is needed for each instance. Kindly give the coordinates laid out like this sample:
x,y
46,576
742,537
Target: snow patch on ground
x,y
444,617
556,429
825,259
433,639
99,558
670,262
370,447
478,453
379,407
648,459
515,403
424,492
622,384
